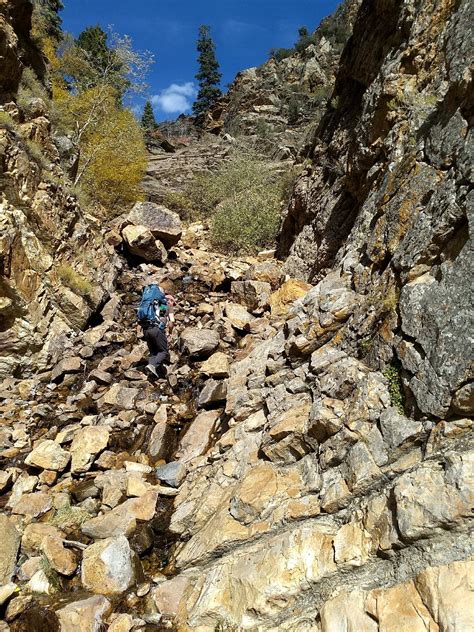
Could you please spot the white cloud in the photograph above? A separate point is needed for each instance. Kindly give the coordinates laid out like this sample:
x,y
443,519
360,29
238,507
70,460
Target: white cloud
x,y
176,98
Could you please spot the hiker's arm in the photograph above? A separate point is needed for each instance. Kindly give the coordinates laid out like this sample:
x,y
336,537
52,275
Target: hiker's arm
x,y
171,322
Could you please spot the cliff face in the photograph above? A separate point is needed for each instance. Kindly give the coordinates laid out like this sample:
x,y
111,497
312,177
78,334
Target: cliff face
x,y
54,268
280,100
387,197
336,497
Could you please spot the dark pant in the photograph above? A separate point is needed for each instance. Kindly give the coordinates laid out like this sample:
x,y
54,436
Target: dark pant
x,y
157,345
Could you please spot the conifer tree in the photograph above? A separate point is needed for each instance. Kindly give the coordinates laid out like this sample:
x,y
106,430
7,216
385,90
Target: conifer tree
x,y
46,20
208,75
148,118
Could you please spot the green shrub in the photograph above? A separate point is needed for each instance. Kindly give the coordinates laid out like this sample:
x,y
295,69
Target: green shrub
x,y
242,200
35,153
392,374
279,54
321,94
31,88
6,121
243,170
264,130
248,220
74,280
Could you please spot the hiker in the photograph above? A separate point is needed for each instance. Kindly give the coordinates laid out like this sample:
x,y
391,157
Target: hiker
x,y
155,315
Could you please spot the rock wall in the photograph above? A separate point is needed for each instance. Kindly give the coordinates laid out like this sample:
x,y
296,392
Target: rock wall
x,y
338,494
260,99
55,269
387,199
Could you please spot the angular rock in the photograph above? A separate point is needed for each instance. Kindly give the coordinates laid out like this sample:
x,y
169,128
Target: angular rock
x,y
101,377
119,396
267,272
49,455
108,566
396,428
168,594
141,242
198,437
122,520
213,394
61,559
199,343
66,366
160,440
86,615
6,591
238,316
9,545
86,445
216,366
33,505
172,473
164,224
34,535
289,292
253,294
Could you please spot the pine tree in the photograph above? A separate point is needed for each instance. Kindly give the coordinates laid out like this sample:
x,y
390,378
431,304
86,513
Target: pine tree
x,y
105,64
148,118
208,75
46,20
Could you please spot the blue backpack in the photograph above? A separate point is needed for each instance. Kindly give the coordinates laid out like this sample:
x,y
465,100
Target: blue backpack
x,y
153,307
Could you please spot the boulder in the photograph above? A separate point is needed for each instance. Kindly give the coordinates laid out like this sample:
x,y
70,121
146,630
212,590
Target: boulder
x,y
172,473
141,242
198,437
87,444
199,343
396,428
87,615
9,545
282,299
120,397
122,520
267,272
254,294
164,224
68,365
216,366
213,394
33,505
34,535
238,316
62,560
168,594
159,441
49,455
108,566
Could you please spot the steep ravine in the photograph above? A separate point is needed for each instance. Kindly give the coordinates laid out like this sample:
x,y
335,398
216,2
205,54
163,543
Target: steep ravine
x,y
307,465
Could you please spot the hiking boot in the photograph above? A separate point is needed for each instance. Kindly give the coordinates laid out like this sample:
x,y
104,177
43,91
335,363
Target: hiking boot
x,y
151,369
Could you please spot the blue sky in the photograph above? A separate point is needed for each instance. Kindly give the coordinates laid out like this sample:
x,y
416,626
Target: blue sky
x,y
243,30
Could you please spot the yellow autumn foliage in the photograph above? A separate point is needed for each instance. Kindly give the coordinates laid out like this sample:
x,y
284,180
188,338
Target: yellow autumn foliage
x,y
113,156
118,161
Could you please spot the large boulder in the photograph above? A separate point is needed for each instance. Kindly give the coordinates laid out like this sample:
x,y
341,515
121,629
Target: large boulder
x,y
199,343
141,242
87,615
164,224
198,437
49,456
87,444
108,566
